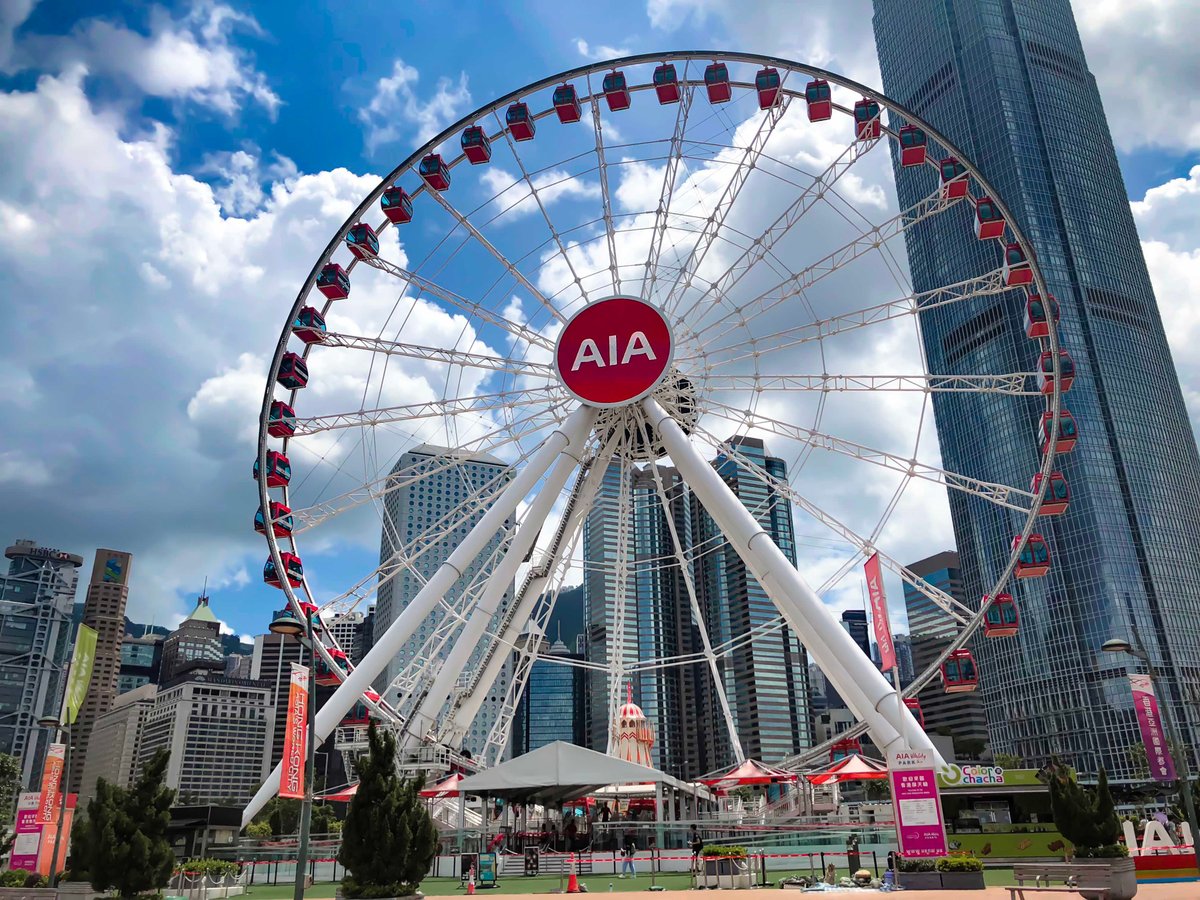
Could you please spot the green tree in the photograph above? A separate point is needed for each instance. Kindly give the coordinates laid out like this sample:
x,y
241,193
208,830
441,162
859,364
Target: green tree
x,y
1008,761
969,748
122,843
258,830
10,786
1085,816
388,840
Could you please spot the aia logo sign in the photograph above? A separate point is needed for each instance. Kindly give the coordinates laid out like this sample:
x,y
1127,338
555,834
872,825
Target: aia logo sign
x,y
614,351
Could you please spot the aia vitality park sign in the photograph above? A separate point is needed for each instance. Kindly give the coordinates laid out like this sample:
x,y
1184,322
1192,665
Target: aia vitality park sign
x,y
614,351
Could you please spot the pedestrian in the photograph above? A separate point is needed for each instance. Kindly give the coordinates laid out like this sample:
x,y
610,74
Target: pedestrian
x,y
697,846
628,852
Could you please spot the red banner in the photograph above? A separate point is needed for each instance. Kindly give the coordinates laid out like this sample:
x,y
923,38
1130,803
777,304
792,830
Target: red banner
x,y
295,736
879,614
1154,737
52,776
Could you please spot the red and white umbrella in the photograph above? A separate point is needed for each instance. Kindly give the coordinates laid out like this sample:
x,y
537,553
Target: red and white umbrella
x,y
852,768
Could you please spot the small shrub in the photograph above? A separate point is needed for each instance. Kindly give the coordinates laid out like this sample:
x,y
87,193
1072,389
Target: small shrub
x,y
1105,851
214,868
916,865
724,850
958,864
259,830
14,877
34,880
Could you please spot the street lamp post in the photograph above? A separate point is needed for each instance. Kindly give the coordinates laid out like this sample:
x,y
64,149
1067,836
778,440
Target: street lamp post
x,y
1174,742
53,723
286,623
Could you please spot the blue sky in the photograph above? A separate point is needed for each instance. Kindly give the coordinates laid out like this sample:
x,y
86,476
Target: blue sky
x,y
152,146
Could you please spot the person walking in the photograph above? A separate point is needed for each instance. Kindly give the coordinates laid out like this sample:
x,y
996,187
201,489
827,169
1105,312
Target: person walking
x,y
628,852
697,845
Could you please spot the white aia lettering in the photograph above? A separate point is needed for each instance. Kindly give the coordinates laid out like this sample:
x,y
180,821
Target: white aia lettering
x,y
589,351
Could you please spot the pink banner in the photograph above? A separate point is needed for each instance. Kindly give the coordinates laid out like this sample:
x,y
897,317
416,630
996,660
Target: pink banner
x,y
920,829
879,614
1162,767
28,834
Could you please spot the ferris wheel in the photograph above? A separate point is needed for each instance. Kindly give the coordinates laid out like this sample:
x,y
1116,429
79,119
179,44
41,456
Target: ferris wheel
x,y
607,283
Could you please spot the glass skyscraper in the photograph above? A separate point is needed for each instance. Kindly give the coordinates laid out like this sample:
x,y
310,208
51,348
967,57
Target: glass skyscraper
x,y
551,708
1007,82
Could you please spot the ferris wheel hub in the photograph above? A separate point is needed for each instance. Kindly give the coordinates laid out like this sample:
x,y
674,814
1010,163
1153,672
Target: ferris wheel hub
x,y
614,352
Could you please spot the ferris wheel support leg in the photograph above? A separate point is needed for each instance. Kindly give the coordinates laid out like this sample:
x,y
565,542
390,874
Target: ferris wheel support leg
x,y
392,640
853,674
500,580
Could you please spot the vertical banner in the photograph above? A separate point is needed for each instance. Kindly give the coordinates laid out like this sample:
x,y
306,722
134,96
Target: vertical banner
x,y
80,674
52,776
879,614
920,829
27,833
1162,766
295,736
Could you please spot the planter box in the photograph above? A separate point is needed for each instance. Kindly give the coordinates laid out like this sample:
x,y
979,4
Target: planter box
x,y
962,881
920,881
1122,877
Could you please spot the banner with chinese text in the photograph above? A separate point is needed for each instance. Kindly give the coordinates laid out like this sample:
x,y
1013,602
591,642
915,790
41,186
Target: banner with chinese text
x,y
879,614
52,776
295,736
1162,767
919,825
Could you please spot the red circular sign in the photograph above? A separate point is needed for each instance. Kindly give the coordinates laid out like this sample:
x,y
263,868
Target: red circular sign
x,y
614,351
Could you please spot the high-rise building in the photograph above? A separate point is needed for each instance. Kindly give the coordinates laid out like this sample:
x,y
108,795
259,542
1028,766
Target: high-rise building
x,y
904,658
104,611
141,661
1008,83
926,618
239,665
271,664
37,597
218,732
854,621
766,679
347,630
116,740
429,490
195,644
551,709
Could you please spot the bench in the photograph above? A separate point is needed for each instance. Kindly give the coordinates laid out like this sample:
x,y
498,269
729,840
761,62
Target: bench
x,y
1073,880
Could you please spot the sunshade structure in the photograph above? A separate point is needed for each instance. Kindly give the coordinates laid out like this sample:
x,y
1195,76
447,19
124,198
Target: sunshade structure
x,y
443,788
341,795
747,773
852,768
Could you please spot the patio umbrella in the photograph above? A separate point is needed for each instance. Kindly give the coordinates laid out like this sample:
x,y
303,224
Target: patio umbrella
x,y
852,768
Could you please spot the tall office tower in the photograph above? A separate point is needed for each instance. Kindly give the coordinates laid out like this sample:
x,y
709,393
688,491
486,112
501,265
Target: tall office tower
x,y
141,661
551,709
932,630
195,644
1008,83
854,622
656,621
904,658
103,610
348,632
218,731
116,740
429,489
36,600
271,664
766,679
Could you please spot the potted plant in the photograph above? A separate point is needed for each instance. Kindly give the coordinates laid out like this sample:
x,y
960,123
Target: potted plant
x,y
960,873
725,866
389,839
917,874
1086,817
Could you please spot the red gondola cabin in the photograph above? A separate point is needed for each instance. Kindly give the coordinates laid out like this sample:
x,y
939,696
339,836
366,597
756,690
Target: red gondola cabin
x,y
326,675
281,422
989,224
279,470
912,146
291,565
666,84
914,706
958,673
1016,268
1000,619
1068,433
1066,371
333,282
309,326
309,610
716,82
362,241
566,104
281,520
766,83
1034,559
866,120
476,146
954,178
1036,325
1058,494
396,205
843,748
520,123
357,715
616,91
819,99
434,172
293,371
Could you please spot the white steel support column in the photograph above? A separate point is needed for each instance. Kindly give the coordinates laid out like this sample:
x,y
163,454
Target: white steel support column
x,y
426,716
359,680
853,674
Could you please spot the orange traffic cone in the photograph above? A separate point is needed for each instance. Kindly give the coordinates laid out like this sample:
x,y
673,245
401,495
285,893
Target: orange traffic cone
x,y
573,880
471,883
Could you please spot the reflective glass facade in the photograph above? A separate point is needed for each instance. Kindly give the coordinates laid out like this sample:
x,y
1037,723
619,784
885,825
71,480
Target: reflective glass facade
x,y
1008,83
551,709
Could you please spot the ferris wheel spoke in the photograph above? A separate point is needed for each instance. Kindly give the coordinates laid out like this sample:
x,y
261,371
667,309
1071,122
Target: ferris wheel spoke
x,y
1021,384
433,409
814,193
805,278
667,193
439,354
521,332
605,195
716,219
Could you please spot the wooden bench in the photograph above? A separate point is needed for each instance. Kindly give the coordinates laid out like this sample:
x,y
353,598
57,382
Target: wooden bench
x,y
1073,880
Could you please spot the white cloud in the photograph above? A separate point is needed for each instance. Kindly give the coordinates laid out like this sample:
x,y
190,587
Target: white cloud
x,y
513,199
395,111
13,14
240,177
599,51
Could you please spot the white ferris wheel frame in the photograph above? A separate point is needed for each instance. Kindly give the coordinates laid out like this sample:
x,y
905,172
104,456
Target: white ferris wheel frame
x,y
876,703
